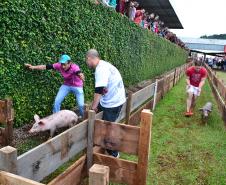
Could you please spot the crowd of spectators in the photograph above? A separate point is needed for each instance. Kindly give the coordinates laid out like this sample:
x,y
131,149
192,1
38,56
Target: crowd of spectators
x,y
150,21
217,63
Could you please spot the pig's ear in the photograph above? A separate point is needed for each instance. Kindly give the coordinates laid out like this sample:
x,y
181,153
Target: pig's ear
x,y
36,118
209,110
41,123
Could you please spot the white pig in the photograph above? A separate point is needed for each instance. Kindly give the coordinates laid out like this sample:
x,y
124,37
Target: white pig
x,y
60,119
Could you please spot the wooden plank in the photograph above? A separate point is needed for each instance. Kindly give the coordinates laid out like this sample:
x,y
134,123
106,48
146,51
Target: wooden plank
x,y
144,145
136,116
11,179
155,94
35,164
128,107
141,96
121,171
9,132
115,136
91,121
8,159
73,175
99,175
9,112
99,115
122,114
2,136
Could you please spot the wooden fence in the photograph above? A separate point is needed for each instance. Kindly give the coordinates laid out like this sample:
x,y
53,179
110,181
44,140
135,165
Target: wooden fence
x,y
219,91
94,135
6,118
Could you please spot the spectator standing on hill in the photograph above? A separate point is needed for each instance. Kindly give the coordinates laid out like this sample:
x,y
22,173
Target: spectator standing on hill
x,y
151,20
132,10
121,6
144,22
139,16
73,81
156,25
196,76
127,5
109,89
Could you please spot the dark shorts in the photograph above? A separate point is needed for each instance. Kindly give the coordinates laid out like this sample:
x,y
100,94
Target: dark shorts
x,y
110,114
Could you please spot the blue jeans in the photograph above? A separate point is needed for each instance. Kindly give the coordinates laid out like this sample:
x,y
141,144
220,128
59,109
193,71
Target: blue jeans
x,y
111,114
63,92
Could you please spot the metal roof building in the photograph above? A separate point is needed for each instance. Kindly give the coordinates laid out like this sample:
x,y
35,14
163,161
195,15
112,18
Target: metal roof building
x,y
164,9
205,44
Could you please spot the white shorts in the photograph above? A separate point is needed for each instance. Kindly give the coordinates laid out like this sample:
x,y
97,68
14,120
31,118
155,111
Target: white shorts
x,y
194,90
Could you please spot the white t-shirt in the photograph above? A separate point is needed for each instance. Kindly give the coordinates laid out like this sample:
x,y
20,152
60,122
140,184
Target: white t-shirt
x,y
108,76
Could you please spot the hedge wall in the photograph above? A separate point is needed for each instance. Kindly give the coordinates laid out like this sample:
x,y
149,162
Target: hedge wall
x,y
38,31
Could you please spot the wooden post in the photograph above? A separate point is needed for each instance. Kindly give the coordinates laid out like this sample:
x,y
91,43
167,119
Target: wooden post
x,y
99,175
155,95
164,84
144,145
8,159
91,122
174,77
128,107
9,122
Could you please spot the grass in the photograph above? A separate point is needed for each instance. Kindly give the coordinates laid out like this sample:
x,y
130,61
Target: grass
x,y
183,151
222,75
28,145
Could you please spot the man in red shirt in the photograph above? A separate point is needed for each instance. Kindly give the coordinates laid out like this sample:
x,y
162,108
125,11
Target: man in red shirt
x,y
196,76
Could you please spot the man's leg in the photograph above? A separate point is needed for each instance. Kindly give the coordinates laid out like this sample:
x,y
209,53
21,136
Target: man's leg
x,y
189,101
111,114
193,103
63,91
79,94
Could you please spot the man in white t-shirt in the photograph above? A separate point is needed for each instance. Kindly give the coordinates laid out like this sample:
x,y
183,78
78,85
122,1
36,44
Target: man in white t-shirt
x,y
109,89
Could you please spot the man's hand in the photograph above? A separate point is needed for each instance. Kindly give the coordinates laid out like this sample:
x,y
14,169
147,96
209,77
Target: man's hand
x,y
188,86
95,109
82,76
29,66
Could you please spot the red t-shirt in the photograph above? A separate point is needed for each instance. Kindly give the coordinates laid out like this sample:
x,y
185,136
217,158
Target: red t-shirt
x,y
138,17
196,76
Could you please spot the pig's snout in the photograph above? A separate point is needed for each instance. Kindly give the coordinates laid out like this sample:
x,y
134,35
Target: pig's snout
x,y
30,131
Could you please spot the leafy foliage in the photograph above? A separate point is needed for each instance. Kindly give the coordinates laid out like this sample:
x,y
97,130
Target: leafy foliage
x,y
37,32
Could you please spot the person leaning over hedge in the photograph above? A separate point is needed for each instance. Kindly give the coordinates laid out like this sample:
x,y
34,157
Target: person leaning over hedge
x,y
73,81
109,89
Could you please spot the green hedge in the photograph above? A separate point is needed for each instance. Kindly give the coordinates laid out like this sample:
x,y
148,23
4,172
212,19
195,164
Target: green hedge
x,y
38,31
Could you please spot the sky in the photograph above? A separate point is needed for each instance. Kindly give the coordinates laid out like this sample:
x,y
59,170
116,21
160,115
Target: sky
x,y
200,17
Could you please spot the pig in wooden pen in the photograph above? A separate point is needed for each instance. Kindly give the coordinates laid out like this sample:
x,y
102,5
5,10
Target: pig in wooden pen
x,y
60,119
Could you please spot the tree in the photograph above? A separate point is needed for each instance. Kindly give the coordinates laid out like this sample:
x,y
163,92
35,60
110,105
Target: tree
x,y
215,36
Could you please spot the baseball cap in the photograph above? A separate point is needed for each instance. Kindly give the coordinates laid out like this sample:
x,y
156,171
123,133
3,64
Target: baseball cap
x,y
64,59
